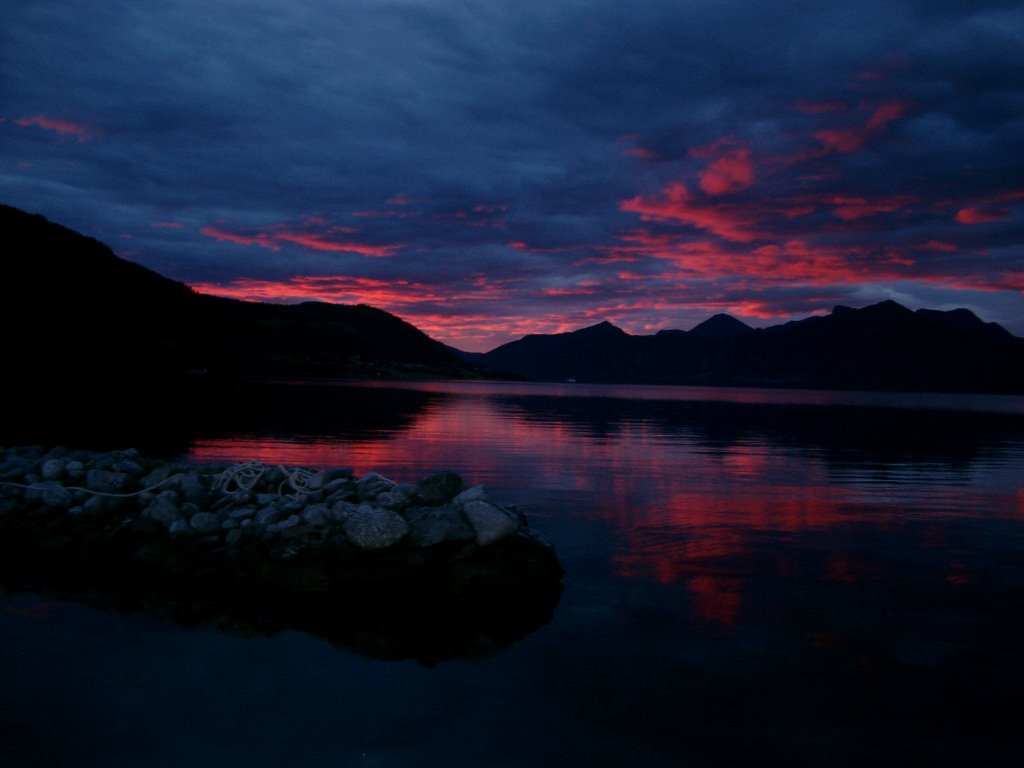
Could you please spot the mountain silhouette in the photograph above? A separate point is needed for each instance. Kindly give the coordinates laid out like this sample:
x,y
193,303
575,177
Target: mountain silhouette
x,y
78,315
885,346
76,312
721,326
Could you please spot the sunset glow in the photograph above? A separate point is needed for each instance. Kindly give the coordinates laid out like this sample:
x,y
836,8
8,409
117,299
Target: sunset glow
x,y
481,191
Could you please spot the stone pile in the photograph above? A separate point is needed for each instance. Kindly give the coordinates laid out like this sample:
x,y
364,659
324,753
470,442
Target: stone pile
x,y
430,570
291,508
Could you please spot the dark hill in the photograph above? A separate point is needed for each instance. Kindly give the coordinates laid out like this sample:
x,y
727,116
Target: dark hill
x,y
885,347
721,326
74,310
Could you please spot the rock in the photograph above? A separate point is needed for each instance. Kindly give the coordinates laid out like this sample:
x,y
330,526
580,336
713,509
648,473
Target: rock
x,y
193,489
439,488
372,528
164,510
242,513
476,493
316,514
371,485
342,510
159,476
489,521
97,505
205,522
106,481
50,493
289,522
394,500
234,536
179,528
429,526
341,485
229,524
268,516
128,467
52,469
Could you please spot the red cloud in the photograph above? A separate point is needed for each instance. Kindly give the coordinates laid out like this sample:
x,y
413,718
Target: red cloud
x,y
851,139
731,169
80,131
273,238
850,208
982,215
989,209
677,204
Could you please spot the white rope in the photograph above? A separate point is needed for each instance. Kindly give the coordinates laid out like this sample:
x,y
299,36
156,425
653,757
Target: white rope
x,y
38,487
244,476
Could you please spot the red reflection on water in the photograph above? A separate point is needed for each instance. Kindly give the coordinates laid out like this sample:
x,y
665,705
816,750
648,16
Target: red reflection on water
x,y
684,510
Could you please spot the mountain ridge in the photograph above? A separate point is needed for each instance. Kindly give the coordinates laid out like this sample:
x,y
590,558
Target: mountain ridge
x,y
79,311
883,346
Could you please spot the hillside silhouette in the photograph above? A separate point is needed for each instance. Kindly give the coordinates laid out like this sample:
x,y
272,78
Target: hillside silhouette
x,y
77,311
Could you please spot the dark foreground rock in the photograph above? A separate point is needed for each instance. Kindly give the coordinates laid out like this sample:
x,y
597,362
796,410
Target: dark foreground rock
x,y
432,570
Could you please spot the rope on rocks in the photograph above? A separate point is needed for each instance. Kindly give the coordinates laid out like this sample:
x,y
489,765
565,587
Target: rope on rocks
x,y
39,487
244,476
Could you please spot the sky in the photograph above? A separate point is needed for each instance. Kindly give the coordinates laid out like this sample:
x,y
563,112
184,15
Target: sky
x,y
490,169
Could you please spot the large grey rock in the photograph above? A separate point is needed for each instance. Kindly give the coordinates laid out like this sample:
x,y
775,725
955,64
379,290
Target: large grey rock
x,y
476,493
373,528
205,522
316,514
394,500
52,469
439,488
105,481
288,522
158,476
50,493
193,489
179,528
268,516
164,510
429,526
129,467
490,522
341,511
371,485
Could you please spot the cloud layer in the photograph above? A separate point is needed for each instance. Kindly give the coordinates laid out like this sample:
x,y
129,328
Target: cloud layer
x,y
487,170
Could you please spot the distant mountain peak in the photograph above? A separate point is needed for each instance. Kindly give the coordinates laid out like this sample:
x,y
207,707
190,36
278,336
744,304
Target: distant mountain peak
x,y
720,326
604,328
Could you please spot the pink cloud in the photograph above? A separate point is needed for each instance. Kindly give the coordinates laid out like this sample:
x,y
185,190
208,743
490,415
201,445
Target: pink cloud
x,y
677,204
851,208
853,138
80,131
990,209
273,237
731,168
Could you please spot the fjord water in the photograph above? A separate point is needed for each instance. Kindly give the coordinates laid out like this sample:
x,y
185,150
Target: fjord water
x,y
752,577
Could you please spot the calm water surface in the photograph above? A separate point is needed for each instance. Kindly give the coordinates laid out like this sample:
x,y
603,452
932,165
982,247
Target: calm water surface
x,y
752,577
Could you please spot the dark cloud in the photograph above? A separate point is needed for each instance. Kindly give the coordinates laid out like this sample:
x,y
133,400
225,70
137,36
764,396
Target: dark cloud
x,y
486,169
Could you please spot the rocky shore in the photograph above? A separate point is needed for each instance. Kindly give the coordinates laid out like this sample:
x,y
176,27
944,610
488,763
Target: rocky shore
x,y
432,570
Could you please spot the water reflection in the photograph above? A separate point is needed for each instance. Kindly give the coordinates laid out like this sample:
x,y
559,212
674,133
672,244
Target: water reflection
x,y
781,578
697,491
